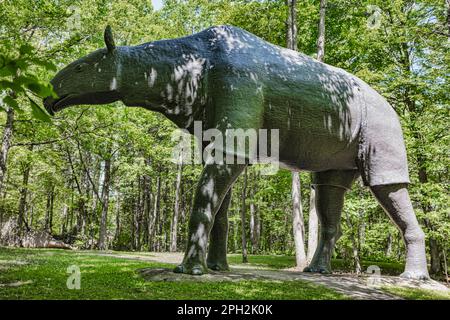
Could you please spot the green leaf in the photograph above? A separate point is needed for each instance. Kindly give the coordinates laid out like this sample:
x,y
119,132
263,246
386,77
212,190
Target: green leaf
x,y
4,85
26,49
44,63
12,103
42,90
38,112
9,68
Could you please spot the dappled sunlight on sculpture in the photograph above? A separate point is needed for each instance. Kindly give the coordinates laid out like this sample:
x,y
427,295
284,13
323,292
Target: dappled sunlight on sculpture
x,y
327,121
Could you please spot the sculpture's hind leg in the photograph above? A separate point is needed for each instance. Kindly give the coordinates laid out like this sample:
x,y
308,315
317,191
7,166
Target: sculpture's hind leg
x,y
330,189
329,202
394,199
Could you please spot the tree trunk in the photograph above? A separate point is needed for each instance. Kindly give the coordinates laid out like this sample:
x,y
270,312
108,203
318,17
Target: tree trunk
x,y
81,216
255,221
49,211
253,227
64,219
445,265
436,267
254,217
6,143
321,37
448,17
156,210
23,199
147,204
174,229
291,34
435,254
298,225
243,227
31,217
313,226
92,215
355,250
137,214
102,241
388,252
118,226
164,226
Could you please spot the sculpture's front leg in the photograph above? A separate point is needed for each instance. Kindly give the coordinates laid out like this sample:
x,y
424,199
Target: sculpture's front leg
x,y
218,238
215,181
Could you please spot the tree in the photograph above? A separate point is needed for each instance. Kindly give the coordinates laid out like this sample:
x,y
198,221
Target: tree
x,y
243,219
102,244
176,211
297,221
6,144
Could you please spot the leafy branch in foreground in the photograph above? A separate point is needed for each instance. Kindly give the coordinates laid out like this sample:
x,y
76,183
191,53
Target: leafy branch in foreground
x,y
18,79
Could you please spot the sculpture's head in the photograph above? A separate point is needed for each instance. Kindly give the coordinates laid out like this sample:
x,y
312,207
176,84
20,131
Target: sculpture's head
x,y
88,80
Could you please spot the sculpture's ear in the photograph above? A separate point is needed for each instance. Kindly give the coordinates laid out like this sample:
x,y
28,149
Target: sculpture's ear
x,y
109,40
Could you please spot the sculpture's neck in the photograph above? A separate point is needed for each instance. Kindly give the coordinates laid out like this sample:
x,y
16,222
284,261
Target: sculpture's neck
x,y
165,76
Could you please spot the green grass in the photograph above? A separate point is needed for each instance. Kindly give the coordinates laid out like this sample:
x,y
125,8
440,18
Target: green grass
x,y
387,267
41,274
417,294
264,261
338,265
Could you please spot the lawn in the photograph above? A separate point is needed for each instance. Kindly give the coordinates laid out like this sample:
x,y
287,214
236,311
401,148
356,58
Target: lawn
x,y
42,274
338,265
417,294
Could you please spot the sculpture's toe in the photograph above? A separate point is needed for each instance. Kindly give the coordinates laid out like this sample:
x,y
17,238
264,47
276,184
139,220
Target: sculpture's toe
x,y
325,271
308,269
179,269
317,269
196,269
218,266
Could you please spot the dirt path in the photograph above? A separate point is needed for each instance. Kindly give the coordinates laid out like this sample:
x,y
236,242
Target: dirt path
x,y
363,287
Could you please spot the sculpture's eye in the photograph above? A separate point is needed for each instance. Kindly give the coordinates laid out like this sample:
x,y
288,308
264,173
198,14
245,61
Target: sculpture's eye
x,y
80,67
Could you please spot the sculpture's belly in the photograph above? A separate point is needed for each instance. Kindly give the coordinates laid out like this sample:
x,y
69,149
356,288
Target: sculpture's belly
x,y
317,131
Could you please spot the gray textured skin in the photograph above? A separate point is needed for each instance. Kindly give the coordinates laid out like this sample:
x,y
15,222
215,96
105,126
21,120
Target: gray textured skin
x,y
331,123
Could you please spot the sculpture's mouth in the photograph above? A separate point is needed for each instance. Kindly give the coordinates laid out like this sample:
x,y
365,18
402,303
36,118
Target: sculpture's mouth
x,y
55,104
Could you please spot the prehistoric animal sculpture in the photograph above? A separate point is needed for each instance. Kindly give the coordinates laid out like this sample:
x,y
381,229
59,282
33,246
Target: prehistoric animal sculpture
x,y
330,123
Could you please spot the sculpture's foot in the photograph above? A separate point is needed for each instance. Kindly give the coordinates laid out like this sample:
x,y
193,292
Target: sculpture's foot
x,y
415,275
218,266
196,269
321,262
